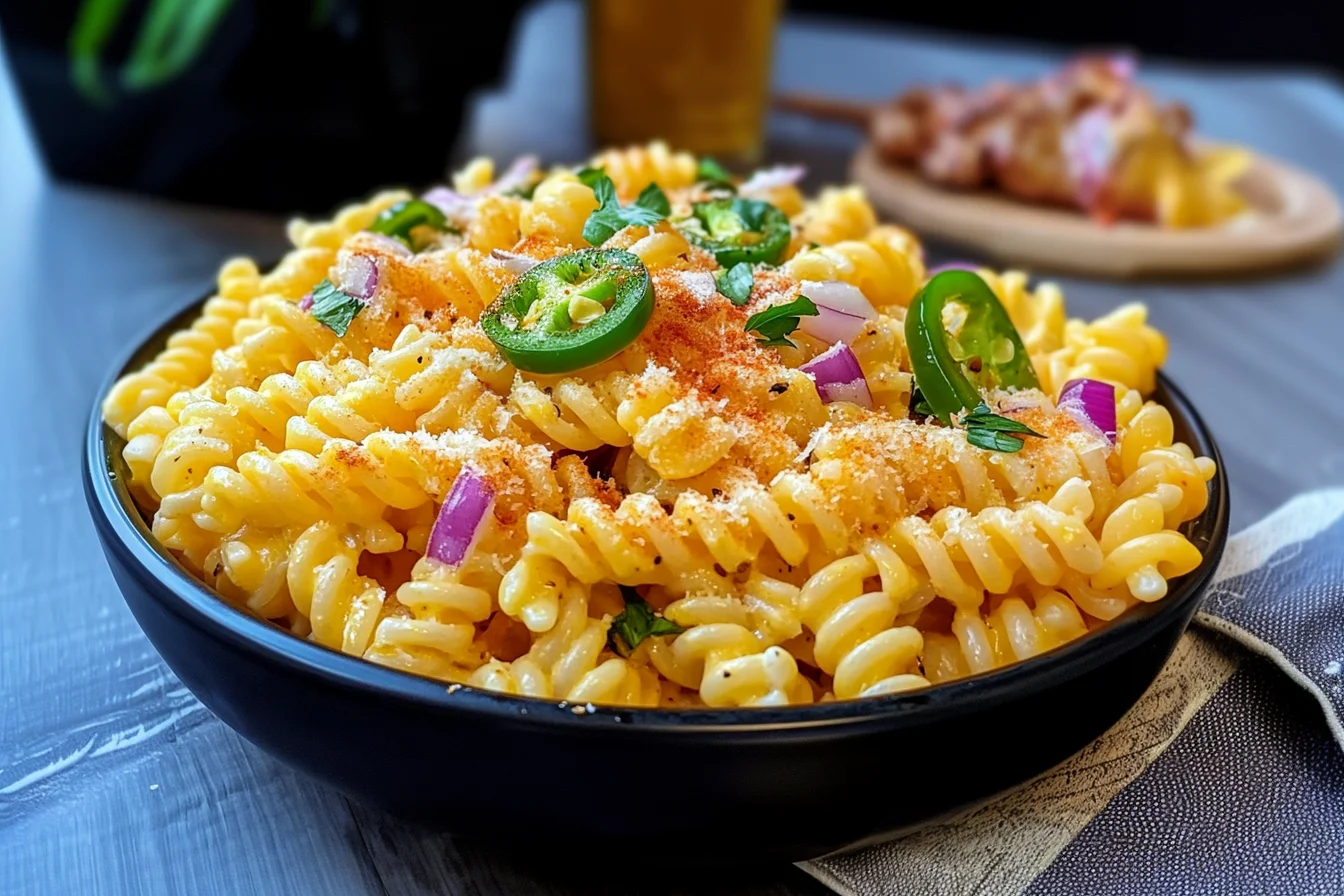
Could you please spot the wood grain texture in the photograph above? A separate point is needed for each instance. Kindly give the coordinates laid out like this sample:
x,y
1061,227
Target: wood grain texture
x,y
1295,219
114,781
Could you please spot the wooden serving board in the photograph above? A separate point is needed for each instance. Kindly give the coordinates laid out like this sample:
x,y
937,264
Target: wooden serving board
x,y
1295,219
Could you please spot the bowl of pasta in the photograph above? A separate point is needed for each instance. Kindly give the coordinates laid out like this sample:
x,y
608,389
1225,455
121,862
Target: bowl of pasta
x,y
641,474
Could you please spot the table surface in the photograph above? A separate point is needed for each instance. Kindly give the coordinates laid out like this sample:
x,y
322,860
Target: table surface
x,y
113,779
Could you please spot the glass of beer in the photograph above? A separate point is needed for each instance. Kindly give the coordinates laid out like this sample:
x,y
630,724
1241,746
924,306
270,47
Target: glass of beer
x,y
695,73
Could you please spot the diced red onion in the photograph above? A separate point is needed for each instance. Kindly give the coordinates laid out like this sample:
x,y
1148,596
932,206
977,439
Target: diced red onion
x,y
843,310
954,266
306,302
358,275
839,377
461,518
772,178
517,174
1092,403
462,208
452,203
390,245
515,263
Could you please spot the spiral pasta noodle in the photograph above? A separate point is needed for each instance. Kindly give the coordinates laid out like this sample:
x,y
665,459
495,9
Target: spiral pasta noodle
x,y
557,210
568,662
880,265
838,214
857,640
635,167
447,382
185,361
453,468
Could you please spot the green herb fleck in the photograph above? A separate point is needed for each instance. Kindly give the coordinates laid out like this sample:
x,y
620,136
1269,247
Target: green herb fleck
x,y
986,429
736,282
405,219
334,308
775,323
918,404
637,622
713,174
610,216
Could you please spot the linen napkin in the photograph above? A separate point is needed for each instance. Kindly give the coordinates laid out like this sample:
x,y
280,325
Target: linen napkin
x,y
1221,779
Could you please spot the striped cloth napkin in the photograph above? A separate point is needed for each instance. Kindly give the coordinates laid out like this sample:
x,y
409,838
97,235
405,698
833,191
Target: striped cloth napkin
x,y
1221,779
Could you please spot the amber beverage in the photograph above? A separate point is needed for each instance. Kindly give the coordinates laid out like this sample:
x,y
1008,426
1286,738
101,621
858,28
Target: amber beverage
x,y
695,73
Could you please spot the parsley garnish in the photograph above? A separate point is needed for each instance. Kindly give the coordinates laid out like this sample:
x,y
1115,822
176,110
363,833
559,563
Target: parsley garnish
x,y
712,173
986,429
334,308
736,282
918,404
637,622
610,216
778,321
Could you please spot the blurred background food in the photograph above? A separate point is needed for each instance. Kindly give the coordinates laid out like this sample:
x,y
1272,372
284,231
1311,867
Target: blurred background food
x,y
1086,135
293,105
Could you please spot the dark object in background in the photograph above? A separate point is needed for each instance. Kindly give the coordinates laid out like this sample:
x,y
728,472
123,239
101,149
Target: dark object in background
x,y
598,788
289,106
1299,33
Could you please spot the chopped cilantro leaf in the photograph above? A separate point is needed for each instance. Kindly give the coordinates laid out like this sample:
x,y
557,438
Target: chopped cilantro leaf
x,y
637,622
610,216
988,430
334,308
712,173
736,282
775,323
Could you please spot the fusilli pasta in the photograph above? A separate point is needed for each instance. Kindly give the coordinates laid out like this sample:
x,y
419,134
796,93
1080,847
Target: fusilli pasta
x,y
669,508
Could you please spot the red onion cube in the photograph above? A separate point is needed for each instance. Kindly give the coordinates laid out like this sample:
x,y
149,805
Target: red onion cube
x,y
358,275
461,519
517,174
839,377
771,178
1092,403
842,310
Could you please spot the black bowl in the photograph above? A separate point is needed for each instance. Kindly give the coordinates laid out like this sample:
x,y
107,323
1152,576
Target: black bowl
x,y
787,784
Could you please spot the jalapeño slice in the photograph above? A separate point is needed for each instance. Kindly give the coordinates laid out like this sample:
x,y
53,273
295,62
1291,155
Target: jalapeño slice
x,y
986,353
571,312
740,230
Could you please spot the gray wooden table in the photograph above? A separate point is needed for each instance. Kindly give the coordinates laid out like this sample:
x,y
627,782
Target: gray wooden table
x,y
114,780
